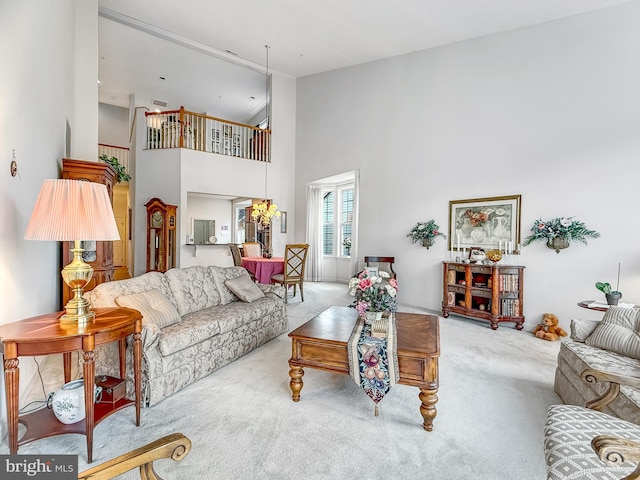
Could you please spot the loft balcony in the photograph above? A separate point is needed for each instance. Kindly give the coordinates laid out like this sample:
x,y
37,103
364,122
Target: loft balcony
x,y
195,131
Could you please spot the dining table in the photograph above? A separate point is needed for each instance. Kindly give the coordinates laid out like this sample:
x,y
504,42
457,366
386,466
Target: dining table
x,y
263,268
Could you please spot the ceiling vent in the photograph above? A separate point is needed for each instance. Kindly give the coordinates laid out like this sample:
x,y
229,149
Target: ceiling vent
x,y
159,103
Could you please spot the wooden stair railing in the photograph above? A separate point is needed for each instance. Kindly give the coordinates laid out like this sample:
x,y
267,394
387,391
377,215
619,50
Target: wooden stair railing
x,y
175,446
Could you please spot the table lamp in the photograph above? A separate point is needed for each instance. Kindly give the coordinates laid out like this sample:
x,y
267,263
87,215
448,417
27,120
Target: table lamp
x,y
73,210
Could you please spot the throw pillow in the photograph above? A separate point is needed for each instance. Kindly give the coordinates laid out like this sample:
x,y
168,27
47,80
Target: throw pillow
x,y
618,332
153,306
581,329
244,288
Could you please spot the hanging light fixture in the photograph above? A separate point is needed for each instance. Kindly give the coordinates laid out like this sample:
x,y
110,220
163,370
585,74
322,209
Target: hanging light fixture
x,y
264,211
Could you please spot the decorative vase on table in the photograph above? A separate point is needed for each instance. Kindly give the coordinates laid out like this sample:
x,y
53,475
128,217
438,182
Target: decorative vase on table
x,y
558,243
68,402
613,298
372,316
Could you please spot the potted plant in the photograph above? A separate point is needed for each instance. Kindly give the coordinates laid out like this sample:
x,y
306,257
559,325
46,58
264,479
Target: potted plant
x,y
121,173
425,232
346,243
559,232
613,296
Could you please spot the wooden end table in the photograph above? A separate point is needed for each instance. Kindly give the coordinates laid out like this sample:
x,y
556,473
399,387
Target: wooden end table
x,y
321,343
45,335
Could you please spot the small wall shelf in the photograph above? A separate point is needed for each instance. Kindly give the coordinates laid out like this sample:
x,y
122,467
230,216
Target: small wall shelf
x,y
196,245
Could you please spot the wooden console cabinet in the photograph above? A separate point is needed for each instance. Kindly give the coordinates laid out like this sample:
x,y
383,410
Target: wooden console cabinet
x,y
97,254
489,292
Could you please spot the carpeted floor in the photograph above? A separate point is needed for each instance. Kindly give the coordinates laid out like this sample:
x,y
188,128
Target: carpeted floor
x,y
495,387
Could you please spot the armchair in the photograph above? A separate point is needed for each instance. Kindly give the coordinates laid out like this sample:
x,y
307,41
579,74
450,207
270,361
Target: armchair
x,y
571,430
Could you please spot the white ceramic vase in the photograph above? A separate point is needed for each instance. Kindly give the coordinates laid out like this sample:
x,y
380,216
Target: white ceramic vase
x,y
68,402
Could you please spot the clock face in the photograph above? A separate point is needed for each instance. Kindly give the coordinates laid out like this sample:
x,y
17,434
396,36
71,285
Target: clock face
x,y
156,220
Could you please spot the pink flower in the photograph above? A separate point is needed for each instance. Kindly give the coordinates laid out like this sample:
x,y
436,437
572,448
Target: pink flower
x,y
364,284
393,282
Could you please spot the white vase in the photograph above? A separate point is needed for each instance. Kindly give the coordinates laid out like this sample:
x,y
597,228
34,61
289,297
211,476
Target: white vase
x,y
68,402
371,316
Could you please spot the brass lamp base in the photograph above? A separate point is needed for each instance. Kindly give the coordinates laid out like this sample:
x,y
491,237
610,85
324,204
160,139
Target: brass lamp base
x,y
77,275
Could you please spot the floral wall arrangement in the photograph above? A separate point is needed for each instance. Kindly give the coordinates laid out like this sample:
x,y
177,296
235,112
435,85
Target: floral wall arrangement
x,y
559,232
425,233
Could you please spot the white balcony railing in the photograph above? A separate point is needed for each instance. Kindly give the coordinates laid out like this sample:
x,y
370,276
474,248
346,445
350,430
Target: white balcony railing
x,y
184,129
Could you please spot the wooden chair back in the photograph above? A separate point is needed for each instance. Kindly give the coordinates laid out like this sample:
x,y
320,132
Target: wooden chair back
x,y
383,263
235,254
295,258
252,249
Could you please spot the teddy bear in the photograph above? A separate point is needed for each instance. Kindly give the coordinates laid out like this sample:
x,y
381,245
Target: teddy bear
x,y
549,329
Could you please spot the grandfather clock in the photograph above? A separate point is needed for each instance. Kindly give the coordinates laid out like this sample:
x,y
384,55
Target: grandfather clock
x,y
161,235
97,254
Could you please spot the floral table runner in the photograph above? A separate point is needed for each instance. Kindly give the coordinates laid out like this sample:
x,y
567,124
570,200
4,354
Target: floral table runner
x,y
373,357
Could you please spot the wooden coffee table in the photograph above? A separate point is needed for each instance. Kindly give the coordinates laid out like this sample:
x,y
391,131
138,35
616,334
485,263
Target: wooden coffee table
x,y
322,343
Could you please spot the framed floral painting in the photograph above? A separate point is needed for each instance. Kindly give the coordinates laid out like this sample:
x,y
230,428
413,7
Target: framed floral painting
x,y
486,223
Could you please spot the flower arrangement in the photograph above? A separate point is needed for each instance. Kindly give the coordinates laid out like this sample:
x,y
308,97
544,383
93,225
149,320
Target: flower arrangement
x,y
375,293
346,243
561,227
263,212
477,218
425,232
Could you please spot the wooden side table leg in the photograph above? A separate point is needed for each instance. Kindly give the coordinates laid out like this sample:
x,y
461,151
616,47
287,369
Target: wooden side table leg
x,y
89,370
296,374
122,355
66,362
11,386
428,407
137,370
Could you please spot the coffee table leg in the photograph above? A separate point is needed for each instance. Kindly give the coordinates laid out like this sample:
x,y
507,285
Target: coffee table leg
x,y
428,407
296,374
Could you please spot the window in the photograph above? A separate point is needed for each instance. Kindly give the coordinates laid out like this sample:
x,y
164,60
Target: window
x,y
337,217
327,223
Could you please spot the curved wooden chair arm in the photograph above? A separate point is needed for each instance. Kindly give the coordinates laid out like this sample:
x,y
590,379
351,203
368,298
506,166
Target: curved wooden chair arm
x,y
175,446
614,451
591,375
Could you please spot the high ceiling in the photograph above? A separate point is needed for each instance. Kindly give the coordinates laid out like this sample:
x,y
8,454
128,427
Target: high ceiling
x,y
221,70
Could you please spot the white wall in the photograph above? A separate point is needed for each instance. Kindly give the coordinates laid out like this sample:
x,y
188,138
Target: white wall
x,y
549,112
171,174
37,99
113,125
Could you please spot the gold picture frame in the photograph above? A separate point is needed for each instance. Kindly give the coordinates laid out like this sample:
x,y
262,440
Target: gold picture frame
x,y
488,223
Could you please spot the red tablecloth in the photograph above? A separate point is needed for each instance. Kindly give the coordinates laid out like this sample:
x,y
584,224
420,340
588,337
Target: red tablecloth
x,y
263,268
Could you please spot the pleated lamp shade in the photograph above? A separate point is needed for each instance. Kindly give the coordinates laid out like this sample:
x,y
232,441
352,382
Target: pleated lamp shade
x,y
69,210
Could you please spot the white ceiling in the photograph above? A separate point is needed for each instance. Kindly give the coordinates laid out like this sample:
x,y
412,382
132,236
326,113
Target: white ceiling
x,y
306,37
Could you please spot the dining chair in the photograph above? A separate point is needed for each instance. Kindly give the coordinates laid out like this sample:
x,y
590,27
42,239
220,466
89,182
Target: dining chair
x,y
235,254
295,257
252,249
383,263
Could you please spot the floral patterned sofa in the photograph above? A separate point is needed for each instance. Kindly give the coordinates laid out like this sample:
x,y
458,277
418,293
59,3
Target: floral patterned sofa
x,y
194,322
610,345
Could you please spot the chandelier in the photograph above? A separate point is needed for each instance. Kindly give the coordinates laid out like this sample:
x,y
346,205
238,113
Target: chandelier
x,y
263,212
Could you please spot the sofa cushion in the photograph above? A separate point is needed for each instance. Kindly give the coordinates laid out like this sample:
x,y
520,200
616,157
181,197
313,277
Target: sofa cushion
x,y
105,294
581,329
193,288
244,288
221,275
199,326
153,306
618,332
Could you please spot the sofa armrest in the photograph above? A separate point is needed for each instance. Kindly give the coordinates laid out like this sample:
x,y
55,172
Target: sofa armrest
x,y
277,290
614,451
591,375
